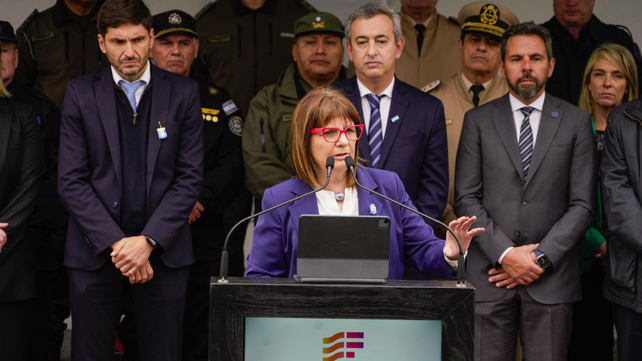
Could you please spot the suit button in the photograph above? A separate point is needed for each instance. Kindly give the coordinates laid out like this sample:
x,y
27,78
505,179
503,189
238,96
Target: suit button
x,y
524,203
114,205
516,233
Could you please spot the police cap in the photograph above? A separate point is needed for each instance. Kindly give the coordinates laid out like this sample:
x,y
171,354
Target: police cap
x,y
318,22
485,17
174,21
6,32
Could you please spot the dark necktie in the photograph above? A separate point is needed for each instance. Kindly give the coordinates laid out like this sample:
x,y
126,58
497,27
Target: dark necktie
x,y
420,37
476,90
375,131
526,139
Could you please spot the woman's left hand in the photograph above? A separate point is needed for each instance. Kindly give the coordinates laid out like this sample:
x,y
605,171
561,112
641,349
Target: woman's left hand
x,y
461,227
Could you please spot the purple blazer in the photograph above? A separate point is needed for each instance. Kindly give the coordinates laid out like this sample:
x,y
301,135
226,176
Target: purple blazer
x,y
274,249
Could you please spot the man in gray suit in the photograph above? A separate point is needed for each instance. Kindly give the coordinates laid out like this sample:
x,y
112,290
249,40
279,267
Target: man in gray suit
x,y
526,167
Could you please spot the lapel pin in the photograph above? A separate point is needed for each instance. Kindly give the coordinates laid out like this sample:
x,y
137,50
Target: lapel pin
x,y
394,119
373,209
162,134
555,114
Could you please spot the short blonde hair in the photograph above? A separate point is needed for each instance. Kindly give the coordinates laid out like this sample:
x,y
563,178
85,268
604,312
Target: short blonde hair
x,y
318,108
620,57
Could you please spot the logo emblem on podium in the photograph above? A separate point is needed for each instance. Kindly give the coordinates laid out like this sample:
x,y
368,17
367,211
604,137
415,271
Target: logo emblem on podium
x,y
339,345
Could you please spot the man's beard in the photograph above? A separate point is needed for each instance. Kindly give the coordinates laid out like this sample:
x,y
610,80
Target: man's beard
x,y
529,91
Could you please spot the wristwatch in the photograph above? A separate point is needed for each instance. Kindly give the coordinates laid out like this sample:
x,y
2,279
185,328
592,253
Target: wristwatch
x,y
542,260
151,242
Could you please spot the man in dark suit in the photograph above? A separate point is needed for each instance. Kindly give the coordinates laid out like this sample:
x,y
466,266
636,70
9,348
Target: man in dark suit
x,y
131,158
525,167
406,131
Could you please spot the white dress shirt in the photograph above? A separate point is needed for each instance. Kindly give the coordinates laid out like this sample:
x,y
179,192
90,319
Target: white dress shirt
x,y
384,105
146,78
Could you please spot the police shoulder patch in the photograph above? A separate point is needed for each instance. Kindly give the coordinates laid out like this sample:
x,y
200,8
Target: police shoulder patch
x,y
229,107
236,125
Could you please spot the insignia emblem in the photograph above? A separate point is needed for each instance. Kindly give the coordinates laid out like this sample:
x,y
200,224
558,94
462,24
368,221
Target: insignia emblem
x,y
318,25
175,19
229,107
373,209
555,114
236,125
430,86
317,19
489,14
394,119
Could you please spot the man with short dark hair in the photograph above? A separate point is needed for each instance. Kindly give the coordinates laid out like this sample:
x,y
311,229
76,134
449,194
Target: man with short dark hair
x,y
318,53
175,48
131,158
525,167
576,32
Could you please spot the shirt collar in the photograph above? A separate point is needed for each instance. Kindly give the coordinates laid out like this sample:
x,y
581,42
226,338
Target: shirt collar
x,y
413,22
516,104
146,77
387,92
468,83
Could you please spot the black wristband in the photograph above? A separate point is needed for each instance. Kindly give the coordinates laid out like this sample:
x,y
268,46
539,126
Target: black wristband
x,y
151,242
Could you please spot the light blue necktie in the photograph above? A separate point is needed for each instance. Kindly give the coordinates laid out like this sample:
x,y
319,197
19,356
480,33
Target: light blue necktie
x,y
375,131
130,89
526,139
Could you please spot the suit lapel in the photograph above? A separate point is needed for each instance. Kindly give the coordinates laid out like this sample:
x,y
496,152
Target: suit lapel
x,y
161,92
397,109
307,205
367,201
107,109
504,123
547,128
5,129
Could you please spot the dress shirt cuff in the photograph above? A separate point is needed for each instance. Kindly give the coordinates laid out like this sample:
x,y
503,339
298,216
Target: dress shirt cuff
x,y
501,258
453,265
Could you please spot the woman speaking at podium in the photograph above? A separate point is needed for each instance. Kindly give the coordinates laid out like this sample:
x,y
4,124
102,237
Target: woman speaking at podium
x,y
326,124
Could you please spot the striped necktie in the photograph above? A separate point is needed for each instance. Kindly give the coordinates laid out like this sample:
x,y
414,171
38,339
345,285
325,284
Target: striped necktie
x,y
130,89
526,139
375,134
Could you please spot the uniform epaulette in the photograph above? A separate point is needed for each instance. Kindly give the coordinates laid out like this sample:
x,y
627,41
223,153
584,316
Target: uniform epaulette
x,y
431,86
24,24
204,10
307,6
622,27
454,20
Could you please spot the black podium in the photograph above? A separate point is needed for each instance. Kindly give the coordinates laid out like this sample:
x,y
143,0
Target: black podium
x,y
232,303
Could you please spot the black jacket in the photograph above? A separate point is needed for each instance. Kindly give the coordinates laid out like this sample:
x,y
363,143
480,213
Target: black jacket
x,y
571,56
622,187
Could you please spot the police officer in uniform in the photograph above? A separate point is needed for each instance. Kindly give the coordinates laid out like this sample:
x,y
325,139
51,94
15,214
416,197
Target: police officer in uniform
x,y
576,33
430,51
175,48
478,81
58,45
266,148
48,224
246,44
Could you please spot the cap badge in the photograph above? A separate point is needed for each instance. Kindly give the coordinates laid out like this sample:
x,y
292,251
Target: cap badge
x,y
175,19
489,14
318,18
318,25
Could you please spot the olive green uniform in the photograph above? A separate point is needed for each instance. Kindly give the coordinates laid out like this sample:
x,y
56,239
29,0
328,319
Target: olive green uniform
x,y
457,101
243,50
266,135
56,46
439,56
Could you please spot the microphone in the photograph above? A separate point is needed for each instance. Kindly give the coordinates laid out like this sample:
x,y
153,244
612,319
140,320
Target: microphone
x,y
460,260
329,165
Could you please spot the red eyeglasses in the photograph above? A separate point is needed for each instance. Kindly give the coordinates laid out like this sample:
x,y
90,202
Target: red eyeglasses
x,y
332,134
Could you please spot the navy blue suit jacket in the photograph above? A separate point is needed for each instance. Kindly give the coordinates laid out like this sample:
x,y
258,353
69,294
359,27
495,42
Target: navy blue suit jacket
x,y
274,249
414,146
90,170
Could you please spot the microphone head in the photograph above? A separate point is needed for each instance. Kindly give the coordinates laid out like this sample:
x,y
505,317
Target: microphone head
x,y
349,162
329,163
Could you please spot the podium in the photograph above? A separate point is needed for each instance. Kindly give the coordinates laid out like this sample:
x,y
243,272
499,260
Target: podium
x,y
239,307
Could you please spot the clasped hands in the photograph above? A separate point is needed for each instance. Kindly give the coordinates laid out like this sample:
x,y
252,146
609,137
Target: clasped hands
x,y
131,256
519,267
